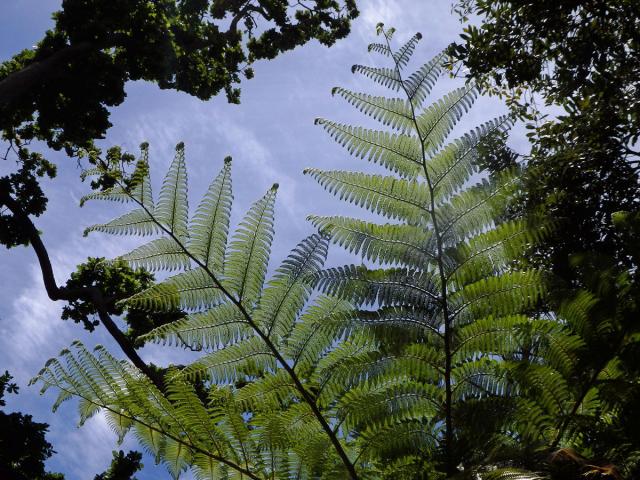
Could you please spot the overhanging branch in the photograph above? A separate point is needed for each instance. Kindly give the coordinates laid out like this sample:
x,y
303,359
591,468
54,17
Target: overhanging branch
x,y
91,294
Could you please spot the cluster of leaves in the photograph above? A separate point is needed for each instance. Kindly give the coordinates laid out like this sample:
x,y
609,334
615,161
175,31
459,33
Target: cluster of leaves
x,y
23,446
423,361
123,467
118,281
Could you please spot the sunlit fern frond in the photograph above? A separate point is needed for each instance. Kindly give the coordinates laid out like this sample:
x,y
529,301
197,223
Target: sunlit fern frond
x,y
210,223
258,341
248,253
442,275
172,209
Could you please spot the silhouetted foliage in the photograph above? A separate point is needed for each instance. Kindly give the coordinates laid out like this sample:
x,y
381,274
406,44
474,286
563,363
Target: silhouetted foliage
x,y
122,467
23,446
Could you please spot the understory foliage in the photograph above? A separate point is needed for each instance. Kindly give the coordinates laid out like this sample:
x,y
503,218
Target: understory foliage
x,y
421,362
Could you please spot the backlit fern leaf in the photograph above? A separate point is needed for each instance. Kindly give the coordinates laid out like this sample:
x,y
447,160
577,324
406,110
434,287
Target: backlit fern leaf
x,y
401,244
248,252
160,254
210,224
136,222
214,328
388,196
404,53
396,152
288,291
190,290
387,77
394,112
439,322
172,209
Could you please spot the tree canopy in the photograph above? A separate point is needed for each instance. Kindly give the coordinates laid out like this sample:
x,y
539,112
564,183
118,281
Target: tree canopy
x,y
60,91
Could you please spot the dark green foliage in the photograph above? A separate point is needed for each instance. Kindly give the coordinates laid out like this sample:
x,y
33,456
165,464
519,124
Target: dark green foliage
x,y
117,281
582,173
6,386
122,467
23,446
583,57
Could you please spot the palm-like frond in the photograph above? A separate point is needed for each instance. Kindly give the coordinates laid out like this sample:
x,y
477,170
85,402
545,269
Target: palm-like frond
x,y
441,275
172,209
251,333
249,250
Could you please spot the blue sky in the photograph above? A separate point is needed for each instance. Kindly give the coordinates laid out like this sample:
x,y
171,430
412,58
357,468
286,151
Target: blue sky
x,y
271,137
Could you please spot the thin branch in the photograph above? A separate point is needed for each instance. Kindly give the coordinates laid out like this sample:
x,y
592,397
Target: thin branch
x,y
92,294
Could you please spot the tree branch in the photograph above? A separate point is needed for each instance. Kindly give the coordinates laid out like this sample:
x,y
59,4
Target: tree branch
x,y
26,79
92,294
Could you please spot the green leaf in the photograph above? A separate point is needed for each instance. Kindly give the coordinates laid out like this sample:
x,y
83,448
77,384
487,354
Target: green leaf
x,y
396,152
172,209
159,254
135,222
248,253
210,224
385,195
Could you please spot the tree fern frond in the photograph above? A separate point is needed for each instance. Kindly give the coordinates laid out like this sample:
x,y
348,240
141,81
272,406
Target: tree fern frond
x,y
437,121
140,184
212,329
397,152
190,290
190,411
384,195
489,336
392,440
290,287
480,378
400,244
511,474
404,53
395,286
420,83
379,48
387,77
135,222
226,365
394,112
317,330
248,253
474,210
210,224
268,393
172,209
391,400
159,254
452,167
506,294
405,317
488,252
177,457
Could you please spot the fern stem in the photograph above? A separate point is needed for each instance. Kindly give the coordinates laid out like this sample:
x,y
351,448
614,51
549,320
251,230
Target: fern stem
x,y
306,396
450,467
